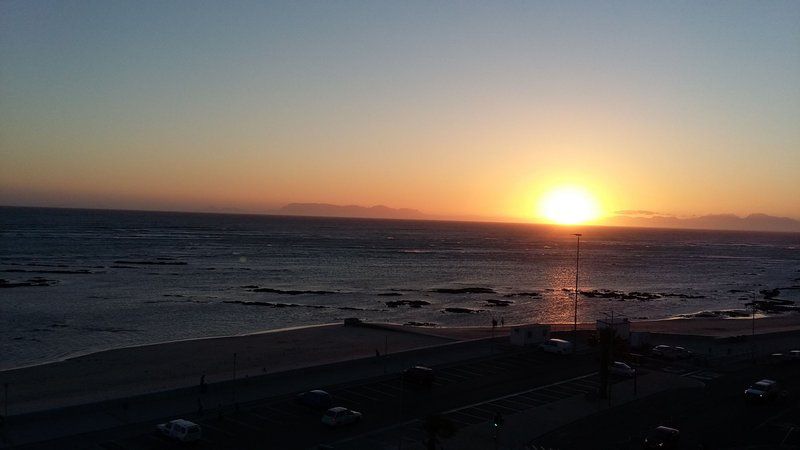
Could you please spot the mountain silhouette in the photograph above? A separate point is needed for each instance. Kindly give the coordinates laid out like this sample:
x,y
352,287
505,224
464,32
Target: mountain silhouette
x,y
329,210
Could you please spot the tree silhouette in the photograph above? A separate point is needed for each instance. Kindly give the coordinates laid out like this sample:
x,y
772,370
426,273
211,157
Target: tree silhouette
x,y
437,426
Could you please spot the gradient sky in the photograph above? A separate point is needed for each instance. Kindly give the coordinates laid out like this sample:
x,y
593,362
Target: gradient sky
x,y
448,107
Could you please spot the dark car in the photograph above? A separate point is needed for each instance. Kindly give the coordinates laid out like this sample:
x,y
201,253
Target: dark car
x,y
423,376
316,399
662,438
763,390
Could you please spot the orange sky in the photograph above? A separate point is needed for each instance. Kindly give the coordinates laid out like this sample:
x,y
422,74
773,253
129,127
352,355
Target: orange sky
x,y
478,110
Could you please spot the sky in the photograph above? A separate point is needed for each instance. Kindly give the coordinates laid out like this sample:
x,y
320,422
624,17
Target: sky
x,y
460,108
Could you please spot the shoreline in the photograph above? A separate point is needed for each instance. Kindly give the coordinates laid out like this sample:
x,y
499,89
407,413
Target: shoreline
x,y
451,332
138,370
83,353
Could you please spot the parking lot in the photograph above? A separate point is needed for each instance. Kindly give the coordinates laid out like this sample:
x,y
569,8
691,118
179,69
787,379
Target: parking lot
x,y
468,394
715,416
411,434
461,390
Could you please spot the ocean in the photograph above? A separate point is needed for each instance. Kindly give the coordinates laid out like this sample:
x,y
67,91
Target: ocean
x,y
78,281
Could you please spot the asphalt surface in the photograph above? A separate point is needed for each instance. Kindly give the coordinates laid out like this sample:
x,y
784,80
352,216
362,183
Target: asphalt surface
x,y
471,392
714,417
281,423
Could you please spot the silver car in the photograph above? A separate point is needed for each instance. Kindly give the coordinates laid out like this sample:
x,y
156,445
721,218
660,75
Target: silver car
x,y
621,369
339,416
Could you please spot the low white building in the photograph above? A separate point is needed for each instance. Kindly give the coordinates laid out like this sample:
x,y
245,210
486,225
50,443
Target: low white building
x,y
529,334
621,326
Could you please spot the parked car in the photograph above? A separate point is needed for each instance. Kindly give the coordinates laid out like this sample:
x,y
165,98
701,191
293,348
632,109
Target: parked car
x,y
621,369
762,390
661,351
317,399
670,352
662,438
558,346
340,416
421,375
776,358
681,353
181,430
794,355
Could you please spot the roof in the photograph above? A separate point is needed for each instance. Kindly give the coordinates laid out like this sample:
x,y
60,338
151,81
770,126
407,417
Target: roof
x,y
183,422
337,409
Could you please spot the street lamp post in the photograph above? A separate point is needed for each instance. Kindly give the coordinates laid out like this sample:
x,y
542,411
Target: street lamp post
x,y
575,319
753,326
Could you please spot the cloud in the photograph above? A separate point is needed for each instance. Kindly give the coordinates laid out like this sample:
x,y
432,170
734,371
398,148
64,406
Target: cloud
x,y
637,212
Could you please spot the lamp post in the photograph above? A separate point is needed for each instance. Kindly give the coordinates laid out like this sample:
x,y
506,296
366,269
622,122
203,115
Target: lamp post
x,y
753,326
575,319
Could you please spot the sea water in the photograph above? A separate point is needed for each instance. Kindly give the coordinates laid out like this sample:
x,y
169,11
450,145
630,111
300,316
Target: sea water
x,y
78,281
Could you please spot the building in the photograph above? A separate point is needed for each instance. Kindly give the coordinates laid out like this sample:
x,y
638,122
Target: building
x,y
529,334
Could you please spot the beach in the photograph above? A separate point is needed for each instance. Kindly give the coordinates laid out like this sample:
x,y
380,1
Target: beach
x,y
147,369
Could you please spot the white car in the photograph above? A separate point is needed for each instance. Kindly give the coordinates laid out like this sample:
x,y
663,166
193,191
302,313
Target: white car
x,y
762,390
669,352
181,430
558,346
339,416
622,369
662,351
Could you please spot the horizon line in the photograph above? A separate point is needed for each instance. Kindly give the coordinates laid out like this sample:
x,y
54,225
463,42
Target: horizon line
x,y
511,221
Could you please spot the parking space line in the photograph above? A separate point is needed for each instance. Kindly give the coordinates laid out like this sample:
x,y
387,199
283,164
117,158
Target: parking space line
x,y
489,368
459,371
350,393
452,378
546,397
503,409
268,419
530,397
152,438
218,430
508,365
587,383
249,421
394,386
512,403
459,422
484,409
568,390
377,392
470,418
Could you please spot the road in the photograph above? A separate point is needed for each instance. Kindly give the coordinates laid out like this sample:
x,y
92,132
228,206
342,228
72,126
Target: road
x,y
279,422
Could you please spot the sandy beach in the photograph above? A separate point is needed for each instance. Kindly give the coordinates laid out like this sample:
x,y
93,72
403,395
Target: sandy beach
x,y
151,368
139,370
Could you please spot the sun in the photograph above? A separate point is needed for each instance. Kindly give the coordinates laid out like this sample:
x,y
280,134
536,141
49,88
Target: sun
x,y
568,205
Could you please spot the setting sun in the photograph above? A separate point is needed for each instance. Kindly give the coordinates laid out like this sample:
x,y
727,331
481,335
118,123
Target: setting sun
x,y
568,206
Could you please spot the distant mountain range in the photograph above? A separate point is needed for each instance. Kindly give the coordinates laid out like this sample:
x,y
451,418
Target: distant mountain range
x,y
328,210
626,218
761,222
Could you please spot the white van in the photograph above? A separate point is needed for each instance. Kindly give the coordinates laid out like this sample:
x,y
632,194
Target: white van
x,y
181,430
558,346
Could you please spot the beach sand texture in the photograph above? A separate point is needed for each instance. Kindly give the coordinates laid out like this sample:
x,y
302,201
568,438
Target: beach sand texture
x,y
152,368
